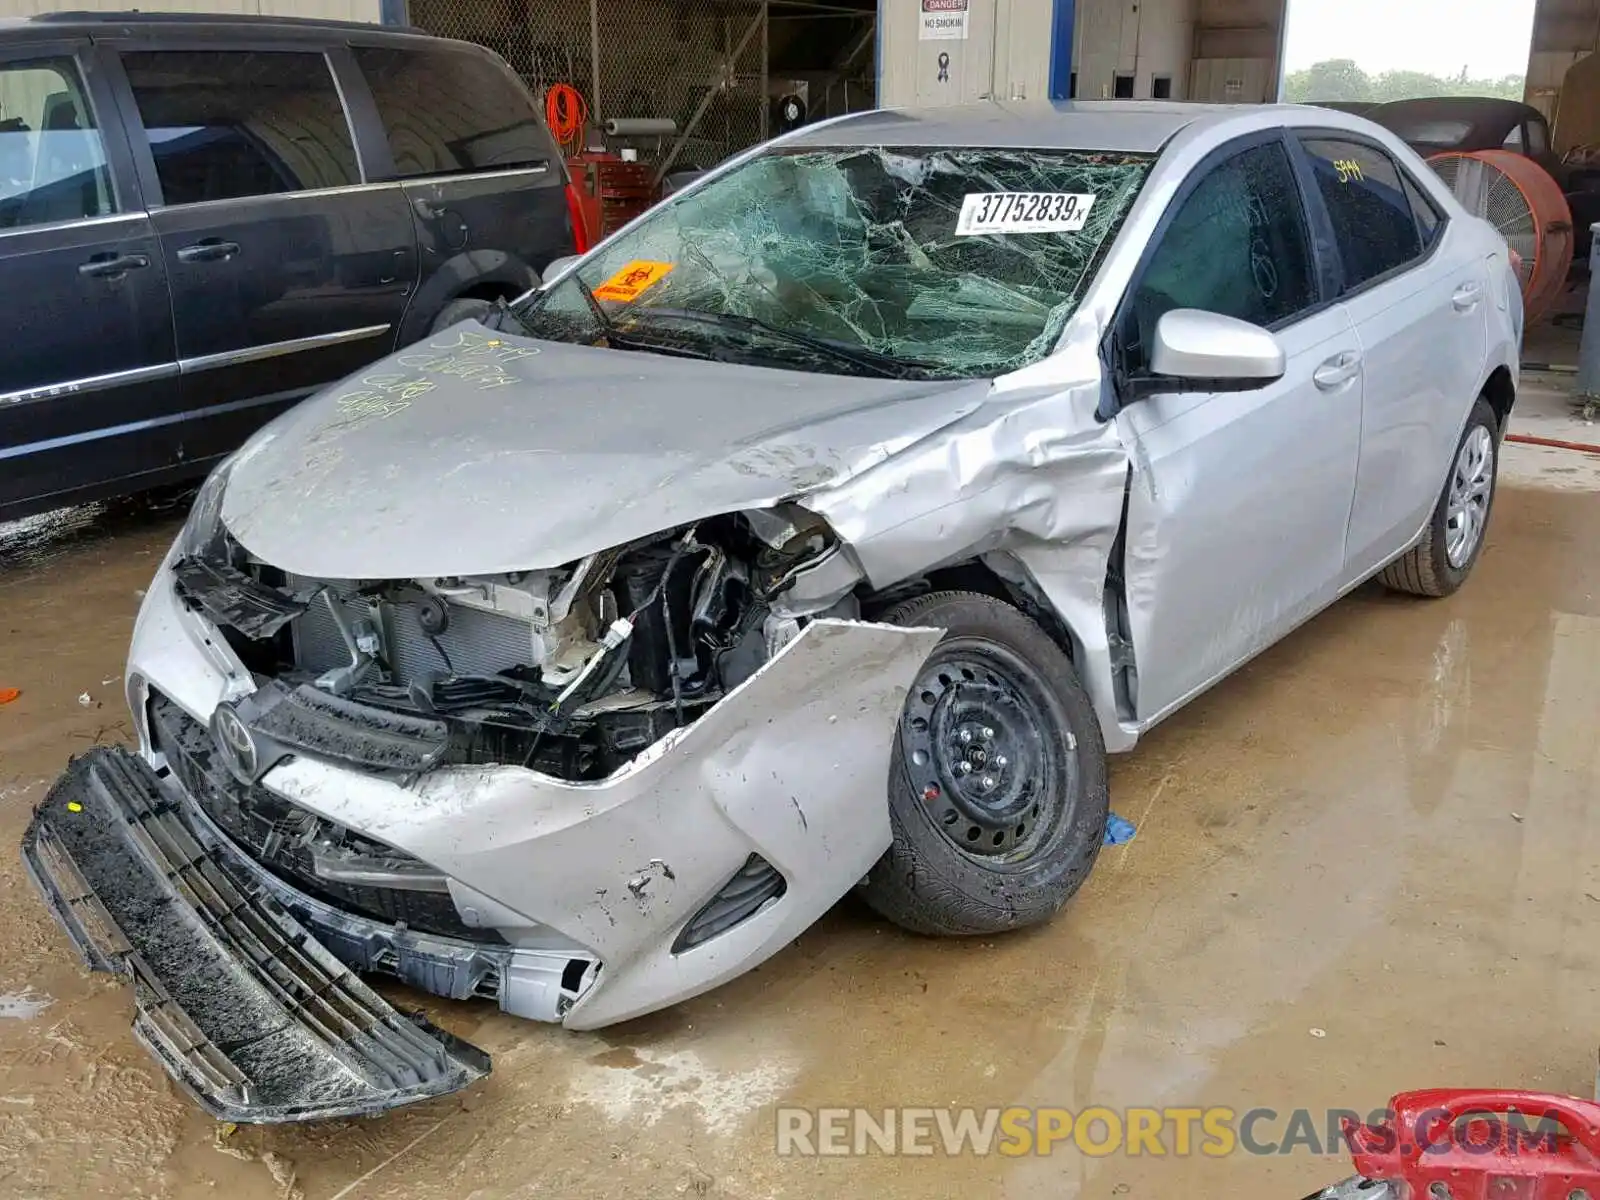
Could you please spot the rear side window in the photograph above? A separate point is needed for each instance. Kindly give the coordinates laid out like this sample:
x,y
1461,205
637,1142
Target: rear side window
x,y
1372,216
1429,222
52,161
447,113
1237,246
227,124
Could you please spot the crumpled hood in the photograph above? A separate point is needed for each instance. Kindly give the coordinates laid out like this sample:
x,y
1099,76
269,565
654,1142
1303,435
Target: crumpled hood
x,y
477,453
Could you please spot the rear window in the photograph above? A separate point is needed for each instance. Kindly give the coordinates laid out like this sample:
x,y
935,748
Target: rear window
x,y
1426,132
446,112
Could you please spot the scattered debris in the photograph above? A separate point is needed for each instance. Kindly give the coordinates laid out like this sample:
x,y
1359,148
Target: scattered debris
x,y
7,695
280,1168
1319,1033
1119,832
109,682
85,699
24,1005
1517,817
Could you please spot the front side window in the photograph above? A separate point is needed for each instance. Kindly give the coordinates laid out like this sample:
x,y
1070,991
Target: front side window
x,y
52,161
1237,246
228,124
447,112
944,262
1371,213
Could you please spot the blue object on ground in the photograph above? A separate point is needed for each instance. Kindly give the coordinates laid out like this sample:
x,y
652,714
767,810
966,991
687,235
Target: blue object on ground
x,y
1118,831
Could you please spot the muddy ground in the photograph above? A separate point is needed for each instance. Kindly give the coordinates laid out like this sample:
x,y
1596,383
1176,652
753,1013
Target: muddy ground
x,y
1368,862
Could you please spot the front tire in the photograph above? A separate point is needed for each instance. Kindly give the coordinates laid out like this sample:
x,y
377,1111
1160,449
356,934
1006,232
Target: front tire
x,y
1439,564
997,783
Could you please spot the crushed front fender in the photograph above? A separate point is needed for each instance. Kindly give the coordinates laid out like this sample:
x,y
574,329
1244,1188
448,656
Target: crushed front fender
x,y
248,1012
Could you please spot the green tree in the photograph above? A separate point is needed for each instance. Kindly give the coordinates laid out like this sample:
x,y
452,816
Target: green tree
x,y
1341,79
1336,79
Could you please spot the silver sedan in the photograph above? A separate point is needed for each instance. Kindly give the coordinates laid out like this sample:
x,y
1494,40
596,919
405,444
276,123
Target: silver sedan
x,y
822,529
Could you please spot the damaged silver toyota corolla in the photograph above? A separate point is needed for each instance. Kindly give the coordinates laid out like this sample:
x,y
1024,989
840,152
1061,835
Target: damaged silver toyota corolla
x,y
822,529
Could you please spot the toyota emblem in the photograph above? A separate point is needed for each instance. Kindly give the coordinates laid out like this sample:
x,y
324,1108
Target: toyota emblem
x,y
235,743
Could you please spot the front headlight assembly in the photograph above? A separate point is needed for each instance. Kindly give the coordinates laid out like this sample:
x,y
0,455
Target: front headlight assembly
x,y
203,530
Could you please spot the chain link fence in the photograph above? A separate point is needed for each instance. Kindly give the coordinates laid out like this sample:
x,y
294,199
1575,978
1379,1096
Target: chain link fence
x,y
699,63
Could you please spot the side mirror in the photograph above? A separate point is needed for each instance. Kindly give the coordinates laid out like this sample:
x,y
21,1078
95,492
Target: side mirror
x,y
1198,351
558,265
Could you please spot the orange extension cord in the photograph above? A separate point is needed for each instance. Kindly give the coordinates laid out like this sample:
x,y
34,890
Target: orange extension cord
x,y
566,113
1524,439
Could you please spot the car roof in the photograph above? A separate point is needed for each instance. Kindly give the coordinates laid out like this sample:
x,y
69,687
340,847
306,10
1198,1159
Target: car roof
x,y
45,26
1129,126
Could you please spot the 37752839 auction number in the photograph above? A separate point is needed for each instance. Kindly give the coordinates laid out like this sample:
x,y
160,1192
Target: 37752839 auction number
x,y
1023,212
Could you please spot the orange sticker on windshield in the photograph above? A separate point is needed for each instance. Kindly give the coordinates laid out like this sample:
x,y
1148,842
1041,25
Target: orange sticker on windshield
x,y
628,284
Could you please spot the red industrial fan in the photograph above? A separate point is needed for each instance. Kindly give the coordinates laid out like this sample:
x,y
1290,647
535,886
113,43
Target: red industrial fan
x,y
1524,202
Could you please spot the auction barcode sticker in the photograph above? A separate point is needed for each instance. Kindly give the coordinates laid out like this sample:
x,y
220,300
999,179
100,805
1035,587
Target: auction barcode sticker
x,y
1023,212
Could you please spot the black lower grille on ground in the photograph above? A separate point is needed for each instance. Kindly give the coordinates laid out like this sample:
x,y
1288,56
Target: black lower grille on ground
x,y
757,882
254,1017
270,830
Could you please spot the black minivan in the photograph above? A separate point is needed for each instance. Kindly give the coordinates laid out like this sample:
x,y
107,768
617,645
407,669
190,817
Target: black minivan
x,y
202,219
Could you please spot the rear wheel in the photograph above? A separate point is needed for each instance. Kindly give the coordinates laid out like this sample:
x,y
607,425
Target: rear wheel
x,y
1439,564
997,786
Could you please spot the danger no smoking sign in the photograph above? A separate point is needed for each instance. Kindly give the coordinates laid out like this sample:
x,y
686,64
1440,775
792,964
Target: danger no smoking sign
x,y
944,20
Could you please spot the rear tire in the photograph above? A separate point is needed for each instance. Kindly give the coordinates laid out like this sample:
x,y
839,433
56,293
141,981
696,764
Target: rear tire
x,y
1439,564
467,308
997,783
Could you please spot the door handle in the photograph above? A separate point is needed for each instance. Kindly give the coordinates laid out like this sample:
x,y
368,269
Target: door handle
x,y
427,209
1467,297
210,250
1337,371
113,266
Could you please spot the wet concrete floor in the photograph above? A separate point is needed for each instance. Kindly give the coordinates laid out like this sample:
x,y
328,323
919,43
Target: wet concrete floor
x,y
1366,863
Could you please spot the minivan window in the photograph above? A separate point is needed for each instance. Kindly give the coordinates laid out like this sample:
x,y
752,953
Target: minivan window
x,y
229,124
448,112
1371,213
52,161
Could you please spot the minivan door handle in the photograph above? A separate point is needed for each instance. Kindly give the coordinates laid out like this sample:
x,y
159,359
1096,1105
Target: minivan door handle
x,y
1337,371
210,250
113,266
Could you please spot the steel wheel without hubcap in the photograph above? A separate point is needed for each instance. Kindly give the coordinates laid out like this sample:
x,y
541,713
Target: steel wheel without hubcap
x,y
1471,485
997,780
978,744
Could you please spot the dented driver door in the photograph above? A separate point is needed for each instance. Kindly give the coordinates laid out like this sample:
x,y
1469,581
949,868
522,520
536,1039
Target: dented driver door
x,y
1238,502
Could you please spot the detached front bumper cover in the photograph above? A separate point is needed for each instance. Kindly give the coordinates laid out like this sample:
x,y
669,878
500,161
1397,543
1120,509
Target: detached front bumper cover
x,y
254,1017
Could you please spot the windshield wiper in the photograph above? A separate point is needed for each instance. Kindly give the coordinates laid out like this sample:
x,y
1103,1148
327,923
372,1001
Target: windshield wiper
x,y
885,365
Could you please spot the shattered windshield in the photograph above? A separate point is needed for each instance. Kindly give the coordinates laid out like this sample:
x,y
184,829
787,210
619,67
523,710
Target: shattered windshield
x,y
916,262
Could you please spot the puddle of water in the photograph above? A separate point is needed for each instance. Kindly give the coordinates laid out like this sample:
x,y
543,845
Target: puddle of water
x,y
24,1005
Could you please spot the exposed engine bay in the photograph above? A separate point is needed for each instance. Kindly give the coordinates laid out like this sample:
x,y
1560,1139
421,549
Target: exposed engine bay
x,y
571,671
